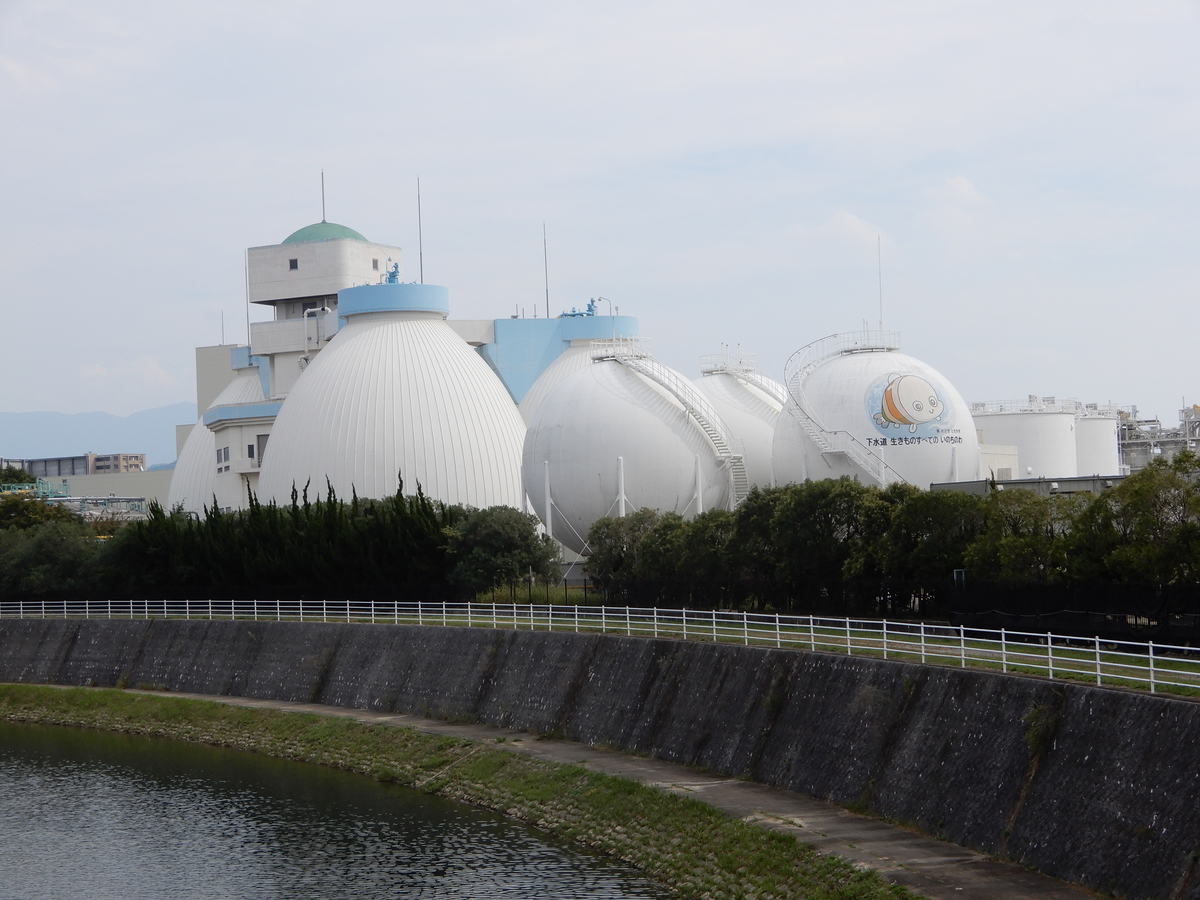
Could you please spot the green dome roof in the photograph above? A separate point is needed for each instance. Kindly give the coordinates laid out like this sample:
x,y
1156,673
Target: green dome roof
x,y
323,231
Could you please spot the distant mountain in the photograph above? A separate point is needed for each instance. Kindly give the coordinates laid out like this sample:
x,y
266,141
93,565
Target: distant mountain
x,y
34,435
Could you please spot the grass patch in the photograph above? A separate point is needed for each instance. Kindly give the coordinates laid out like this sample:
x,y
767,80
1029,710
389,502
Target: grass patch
x,y
695,849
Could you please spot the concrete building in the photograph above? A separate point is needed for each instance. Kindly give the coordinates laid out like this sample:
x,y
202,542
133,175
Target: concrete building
x,y
85,464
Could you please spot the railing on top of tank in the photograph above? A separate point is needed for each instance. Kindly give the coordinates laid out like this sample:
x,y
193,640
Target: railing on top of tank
x,y
1090,660
811,355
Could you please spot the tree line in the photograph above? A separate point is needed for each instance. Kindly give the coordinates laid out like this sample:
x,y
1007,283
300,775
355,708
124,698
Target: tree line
x,y
841,547
835,547
402,546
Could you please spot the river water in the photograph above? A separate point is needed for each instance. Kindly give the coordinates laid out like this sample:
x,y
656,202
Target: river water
x,y
92,815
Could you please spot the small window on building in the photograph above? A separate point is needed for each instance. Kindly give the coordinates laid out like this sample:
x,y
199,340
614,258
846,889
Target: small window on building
x,y
375,264
220,457
249,451
293,264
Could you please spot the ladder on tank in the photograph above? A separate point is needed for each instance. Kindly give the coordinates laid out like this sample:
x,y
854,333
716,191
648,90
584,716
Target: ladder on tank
x,y
633,355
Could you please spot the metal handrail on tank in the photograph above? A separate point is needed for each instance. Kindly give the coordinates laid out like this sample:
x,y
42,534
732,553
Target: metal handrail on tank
x,y
812,355
633,353
744,368
803,362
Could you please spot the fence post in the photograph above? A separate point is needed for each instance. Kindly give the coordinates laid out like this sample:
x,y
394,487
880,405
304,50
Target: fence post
x,y
628,623
714,625
1003,651
962,647
885,638
1050,654
444,614
684,611
1153,689
745,628
922,643
655,622
848,650
576,607
812,633
603,619
1099,675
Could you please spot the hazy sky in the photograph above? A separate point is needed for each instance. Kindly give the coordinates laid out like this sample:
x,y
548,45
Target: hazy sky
x,y
721,170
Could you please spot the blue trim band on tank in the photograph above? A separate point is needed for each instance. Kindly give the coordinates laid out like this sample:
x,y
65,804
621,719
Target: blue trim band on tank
x,y
368,298
236,411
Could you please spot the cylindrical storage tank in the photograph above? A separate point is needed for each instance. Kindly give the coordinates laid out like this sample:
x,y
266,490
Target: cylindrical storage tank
x,y
574,358
1045,441
194,480
749,404
1096,448
397,394
876,415
607,425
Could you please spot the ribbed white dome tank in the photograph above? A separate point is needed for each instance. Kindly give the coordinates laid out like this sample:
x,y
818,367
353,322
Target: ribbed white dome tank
x,y
858,407
194,479
749,403
609,422
397,392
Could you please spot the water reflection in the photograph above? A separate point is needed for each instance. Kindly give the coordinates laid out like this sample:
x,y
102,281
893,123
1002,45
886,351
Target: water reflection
x,y
87,814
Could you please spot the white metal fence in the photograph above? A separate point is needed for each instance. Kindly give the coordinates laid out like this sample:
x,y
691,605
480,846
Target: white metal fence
x,y
1144,665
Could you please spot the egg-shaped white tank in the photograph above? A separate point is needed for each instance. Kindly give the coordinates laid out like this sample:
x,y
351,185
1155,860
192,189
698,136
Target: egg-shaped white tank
x,y
574,358
749,404
609,425
397,394
194,480
1045,441
1096,448
859,407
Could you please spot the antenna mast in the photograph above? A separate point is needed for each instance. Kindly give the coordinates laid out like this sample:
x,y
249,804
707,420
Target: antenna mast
x,y
879,258
420,236
246,274
322,195
546,268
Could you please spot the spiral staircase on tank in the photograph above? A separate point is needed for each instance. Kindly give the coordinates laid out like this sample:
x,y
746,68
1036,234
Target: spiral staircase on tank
x,y
634,354
838,443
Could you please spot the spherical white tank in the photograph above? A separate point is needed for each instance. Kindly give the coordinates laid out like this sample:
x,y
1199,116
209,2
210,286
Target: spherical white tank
x,y
876,415
397,393
607,424
194,480
1096,448
749,404
1045,441
574,358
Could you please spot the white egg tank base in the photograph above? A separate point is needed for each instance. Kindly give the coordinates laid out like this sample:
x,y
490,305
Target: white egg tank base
x,y
603,413
878,416
397,393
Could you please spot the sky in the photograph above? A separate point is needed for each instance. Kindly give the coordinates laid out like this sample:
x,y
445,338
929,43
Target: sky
x,y
1017,181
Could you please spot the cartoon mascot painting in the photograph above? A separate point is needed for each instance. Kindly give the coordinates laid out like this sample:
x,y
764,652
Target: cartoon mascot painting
x,y
908,400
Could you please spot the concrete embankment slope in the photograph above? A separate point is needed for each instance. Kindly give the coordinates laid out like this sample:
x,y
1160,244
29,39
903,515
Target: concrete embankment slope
x,y
1095,786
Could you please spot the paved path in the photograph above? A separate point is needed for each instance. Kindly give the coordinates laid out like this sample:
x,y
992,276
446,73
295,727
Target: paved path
x,y
936,869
